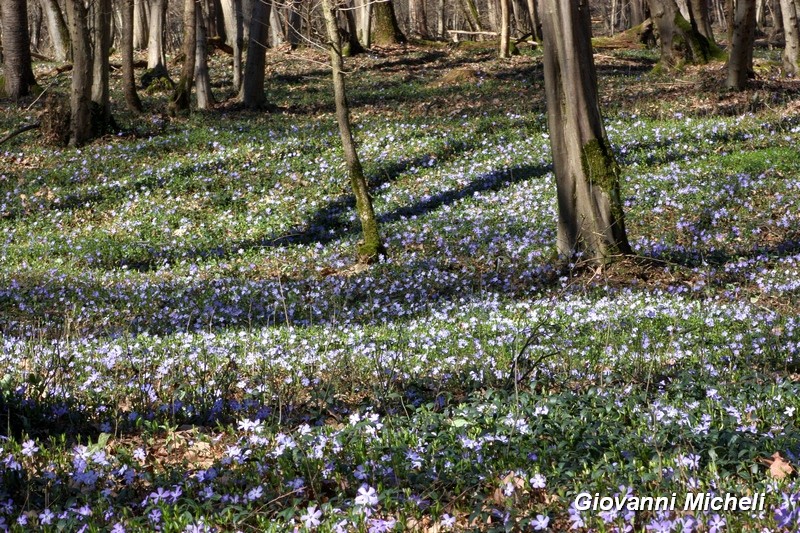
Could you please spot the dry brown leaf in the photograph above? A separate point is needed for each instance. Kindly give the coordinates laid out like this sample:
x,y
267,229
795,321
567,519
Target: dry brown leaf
x,y
779,466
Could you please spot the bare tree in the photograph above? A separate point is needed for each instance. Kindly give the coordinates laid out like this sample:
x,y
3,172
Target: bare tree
x,y
741,55
81,88
17,65
156,55
101,30
253,82
128,80
791,32
181,97
385,29
505,23
371,248
57,29
590,216
232,17
202,80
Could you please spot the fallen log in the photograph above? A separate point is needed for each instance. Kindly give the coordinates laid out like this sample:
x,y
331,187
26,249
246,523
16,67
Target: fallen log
x,y
19,131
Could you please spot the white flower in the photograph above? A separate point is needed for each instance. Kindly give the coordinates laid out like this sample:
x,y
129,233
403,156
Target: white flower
x,y
367,496
538,481
311,517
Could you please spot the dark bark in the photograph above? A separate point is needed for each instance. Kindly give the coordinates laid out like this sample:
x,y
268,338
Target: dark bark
x,y
353,45
590,216
80,124
253,83
128,79
536,24
740,64
371,247
101,29
700,18
182,96
17,64
385,30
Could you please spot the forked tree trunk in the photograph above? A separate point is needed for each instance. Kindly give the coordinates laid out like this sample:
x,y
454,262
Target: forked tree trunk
x,y
371,248
202,81
156,57
253,82
590,216
17,64
505,23
128,79
740,63
101,29
670,23
182,96
791,52
698,10
385,30
57,29
80,125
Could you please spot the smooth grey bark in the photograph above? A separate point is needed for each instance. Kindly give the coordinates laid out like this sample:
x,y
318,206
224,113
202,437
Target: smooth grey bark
x,y
791,32
590,215
140,24
81,88
56,29
202,81
505,23
156,56
253,82
670,23
234,36
740,62
17,64
698,15
371,247
536,24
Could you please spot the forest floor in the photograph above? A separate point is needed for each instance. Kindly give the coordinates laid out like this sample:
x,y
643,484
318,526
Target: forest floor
x,y
188,344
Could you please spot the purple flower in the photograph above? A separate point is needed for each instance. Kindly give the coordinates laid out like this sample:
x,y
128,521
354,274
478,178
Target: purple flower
x,y
541,522
538,481
29,448
717,524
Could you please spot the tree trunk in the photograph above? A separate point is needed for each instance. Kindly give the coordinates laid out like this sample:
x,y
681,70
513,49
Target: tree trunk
x,y
366,22
140,24
128,78
232,17
536,25
791,31
80,125
101,30
17,64
441,21
253,83
372,247
275,27
741,55
670,23
473,17
590,217
698,11
156,57
56,29
353,45
182,96
418,18
505,23
385,29
202,81
637,13
294,21
776,32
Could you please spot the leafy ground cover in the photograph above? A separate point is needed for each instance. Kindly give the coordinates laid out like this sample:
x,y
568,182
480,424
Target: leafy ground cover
x,y
188,346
